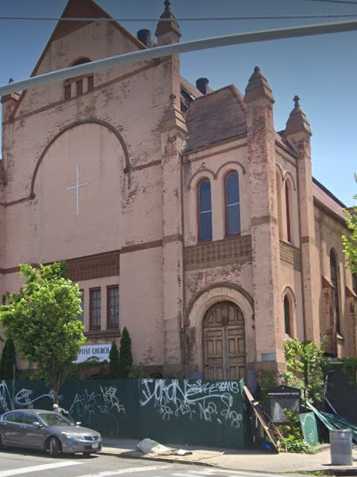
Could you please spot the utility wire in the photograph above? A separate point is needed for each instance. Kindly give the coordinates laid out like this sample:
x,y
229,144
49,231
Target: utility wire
x,y
183,19
177,48
336,2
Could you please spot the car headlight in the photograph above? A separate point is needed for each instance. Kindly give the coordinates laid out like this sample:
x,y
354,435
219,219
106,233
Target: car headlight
x,y
73,437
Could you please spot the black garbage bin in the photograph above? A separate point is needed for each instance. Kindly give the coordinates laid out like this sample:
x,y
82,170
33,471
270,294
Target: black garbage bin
x,y
280,399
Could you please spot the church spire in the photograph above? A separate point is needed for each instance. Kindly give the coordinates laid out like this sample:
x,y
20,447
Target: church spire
x,y
167,30
297,122
258,87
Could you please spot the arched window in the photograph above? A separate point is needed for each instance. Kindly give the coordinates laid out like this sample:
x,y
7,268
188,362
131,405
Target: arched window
x,y
278,191
288,210
232,203
287,315
354,281
79,85
336,291
204,210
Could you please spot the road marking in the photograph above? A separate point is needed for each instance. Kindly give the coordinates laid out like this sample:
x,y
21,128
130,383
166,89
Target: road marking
x,y
202,472
132,470
234,473
228,473
37,468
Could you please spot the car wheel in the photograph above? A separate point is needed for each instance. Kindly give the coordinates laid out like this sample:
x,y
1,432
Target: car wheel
x,y
53,447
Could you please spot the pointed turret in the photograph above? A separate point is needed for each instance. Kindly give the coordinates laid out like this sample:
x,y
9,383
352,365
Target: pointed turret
x,y
258,87
297,122
167,30
298,133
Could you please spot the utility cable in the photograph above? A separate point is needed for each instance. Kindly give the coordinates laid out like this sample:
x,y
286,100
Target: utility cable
x,y
335,2
183,19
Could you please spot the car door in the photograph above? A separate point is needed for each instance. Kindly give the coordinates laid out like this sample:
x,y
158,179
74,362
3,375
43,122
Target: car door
x,y
12,428
34,436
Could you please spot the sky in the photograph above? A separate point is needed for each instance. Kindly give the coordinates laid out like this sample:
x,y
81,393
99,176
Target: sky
x,y
322,70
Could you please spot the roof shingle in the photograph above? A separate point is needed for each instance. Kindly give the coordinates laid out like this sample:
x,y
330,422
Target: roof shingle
x,y
215,117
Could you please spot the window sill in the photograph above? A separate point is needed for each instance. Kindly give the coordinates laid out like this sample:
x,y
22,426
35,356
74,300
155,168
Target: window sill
x,y
232,236
102,333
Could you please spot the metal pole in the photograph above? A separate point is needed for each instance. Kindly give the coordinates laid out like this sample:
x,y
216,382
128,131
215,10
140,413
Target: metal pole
x,y
162,51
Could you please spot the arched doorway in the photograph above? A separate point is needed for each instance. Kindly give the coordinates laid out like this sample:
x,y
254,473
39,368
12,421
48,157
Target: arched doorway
x,y
224,355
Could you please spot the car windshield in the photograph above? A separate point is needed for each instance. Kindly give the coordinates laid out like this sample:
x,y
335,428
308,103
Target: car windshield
x,y
54,419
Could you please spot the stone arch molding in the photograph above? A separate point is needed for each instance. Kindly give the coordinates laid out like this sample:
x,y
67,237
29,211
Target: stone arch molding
x,y
99,122
219,294
205,171
67,128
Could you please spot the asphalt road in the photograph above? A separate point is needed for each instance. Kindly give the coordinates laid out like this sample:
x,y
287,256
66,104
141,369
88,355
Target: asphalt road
x,y
17,463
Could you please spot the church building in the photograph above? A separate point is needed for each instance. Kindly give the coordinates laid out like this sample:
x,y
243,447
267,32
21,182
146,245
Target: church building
x,y
180,210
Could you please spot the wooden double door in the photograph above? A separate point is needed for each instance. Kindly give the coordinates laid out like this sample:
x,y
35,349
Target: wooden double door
x,y
224,351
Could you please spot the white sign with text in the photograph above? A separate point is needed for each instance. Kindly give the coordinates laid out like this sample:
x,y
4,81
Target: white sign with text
x,y
100,352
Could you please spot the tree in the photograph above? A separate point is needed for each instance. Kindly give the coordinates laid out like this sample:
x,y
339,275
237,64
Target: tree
x,y
42,319
350,240
8,360
125,356
114,361
305,365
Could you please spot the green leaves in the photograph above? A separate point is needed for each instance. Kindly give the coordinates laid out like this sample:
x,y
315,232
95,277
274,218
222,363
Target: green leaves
x,y
305,364
8,360
114,361
349,241
42,319
125,355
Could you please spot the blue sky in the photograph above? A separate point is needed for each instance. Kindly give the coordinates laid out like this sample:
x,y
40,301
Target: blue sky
x,y
321,70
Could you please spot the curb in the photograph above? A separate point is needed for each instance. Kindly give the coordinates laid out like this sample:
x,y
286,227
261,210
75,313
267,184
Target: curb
x,y
160,459
344,472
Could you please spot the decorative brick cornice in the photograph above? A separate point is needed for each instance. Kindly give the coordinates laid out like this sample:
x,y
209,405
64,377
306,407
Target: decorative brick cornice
x,y
103,334
236,250
94,266
290,254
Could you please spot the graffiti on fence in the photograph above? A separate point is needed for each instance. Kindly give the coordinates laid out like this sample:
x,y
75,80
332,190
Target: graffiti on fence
x,y
210,402
87,405
23,398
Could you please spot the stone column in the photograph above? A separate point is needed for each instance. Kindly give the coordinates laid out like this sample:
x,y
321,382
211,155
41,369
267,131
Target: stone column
x,y
298,132
264,222
173,140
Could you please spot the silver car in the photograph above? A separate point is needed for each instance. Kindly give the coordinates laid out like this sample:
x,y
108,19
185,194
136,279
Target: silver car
x,y
48,431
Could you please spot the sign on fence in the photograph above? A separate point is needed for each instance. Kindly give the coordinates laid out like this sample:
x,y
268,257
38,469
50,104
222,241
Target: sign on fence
x,y
100,352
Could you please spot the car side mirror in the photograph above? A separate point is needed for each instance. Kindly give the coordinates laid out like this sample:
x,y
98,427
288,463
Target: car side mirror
x,y
38,424
78,423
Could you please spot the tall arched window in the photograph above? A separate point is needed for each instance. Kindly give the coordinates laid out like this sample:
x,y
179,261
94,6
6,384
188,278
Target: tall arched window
x,y
278,191
288,210
287,315
204,210
232,203
336,292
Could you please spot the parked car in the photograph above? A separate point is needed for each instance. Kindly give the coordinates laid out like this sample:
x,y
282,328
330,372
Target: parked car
x,y
48,431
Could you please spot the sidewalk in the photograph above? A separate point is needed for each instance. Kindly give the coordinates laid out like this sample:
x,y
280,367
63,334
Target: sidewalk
x,y
246,460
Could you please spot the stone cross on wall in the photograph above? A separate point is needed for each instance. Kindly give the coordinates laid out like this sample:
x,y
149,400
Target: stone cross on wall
x,y
76,189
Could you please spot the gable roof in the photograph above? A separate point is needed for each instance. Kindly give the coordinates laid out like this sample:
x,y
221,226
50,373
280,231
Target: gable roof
x,y
328,200
81,9
77,9
215,117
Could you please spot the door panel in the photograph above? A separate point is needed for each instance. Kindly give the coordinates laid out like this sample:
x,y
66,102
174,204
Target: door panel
x,y
213,339
224,342
12,429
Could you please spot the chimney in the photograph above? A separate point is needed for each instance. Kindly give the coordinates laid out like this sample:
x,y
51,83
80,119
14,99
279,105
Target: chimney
x,y
202,85
144,36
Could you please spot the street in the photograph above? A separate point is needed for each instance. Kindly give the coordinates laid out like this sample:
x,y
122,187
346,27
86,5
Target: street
x,y
17,463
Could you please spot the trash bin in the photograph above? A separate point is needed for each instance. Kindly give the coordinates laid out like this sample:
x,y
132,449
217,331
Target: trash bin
x,y
341,447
